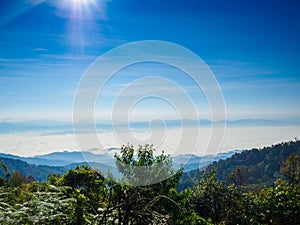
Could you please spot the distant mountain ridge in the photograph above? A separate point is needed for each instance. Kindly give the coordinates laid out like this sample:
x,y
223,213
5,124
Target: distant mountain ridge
x,y
192,162
63,158
258,165
49,127
41,166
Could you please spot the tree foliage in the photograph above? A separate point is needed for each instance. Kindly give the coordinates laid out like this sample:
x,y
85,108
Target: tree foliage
x,y
83,196
251,169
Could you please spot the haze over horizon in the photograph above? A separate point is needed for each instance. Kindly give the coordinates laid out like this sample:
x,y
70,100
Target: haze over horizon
x,y
33,143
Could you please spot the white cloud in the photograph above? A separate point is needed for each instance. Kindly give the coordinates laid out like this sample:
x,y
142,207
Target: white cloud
x,y
236,69
32,143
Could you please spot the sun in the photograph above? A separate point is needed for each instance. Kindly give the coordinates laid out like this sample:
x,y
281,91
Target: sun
x,y
80,2
82,17
82,6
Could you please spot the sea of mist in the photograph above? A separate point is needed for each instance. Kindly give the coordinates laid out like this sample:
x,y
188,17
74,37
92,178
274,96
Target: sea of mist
x,y
32,143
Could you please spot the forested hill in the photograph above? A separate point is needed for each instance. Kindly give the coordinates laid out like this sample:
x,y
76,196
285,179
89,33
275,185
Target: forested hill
x,y
39,172
254,168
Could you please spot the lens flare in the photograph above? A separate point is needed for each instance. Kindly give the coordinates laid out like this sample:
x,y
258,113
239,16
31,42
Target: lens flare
x,y
79,1
81,5
83,18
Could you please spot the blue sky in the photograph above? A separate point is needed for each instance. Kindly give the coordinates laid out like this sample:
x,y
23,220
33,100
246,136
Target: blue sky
x,y
251,46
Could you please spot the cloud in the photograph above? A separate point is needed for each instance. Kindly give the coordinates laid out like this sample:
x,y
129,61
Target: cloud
x,y
230,69
16,60
236,138
260,84
239,75
41,49
5,119
67,57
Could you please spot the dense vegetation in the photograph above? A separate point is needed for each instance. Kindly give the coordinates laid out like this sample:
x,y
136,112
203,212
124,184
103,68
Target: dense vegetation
x,y
83,196
254,169
40,172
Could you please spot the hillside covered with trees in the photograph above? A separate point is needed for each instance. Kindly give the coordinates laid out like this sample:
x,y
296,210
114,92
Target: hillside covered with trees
x,y
254,169
84,196
39,172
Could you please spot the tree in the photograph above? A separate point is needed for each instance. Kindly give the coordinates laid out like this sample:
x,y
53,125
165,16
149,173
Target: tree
x,y
208,197
213,200
239,176
90,184
278,205
16,179
28,179
291,169
7,174
144,204
140,167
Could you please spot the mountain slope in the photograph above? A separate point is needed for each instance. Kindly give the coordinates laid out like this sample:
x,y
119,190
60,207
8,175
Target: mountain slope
x,y
257,166
189,161
63,158
253,168
59,162
39,172
193,162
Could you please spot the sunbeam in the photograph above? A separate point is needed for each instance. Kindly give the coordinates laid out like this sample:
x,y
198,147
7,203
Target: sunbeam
x,y
82,16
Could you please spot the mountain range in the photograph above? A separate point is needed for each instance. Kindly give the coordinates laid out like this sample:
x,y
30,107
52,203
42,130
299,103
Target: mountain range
x,y
41,166
256,165
57,127
64,158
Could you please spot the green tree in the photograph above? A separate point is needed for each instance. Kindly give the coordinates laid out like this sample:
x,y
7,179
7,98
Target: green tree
x,y
291,169
7,174
16,179
208,197
279,205
154,203
213,200
141,167
89,182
